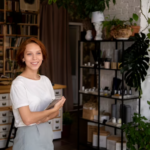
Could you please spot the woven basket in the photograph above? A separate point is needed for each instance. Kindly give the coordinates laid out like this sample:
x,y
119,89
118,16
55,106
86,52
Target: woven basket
x,y
121,33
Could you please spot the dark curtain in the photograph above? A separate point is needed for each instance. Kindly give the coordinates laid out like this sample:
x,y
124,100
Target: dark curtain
x,y
54,33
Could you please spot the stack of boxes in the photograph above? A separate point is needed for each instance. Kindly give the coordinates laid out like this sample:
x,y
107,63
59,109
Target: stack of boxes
x,y
110,142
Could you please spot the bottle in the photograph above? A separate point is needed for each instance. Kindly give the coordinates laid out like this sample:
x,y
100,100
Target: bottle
x,y
130,91
106,91
109,92
119,91
125,91
115,91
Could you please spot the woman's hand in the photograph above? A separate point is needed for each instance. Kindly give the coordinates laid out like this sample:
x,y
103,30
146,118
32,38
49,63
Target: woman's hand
x,y
56,111
60,104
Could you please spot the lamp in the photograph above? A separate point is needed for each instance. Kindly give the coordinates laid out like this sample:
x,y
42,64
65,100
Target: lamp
x,y
97,18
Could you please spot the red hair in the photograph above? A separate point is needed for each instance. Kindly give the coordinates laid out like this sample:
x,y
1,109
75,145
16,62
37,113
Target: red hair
x,y
22,48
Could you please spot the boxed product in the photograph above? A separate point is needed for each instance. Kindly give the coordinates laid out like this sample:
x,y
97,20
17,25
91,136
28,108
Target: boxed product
x,y
102,139
118,145
93,127
89,110
111,142
103,116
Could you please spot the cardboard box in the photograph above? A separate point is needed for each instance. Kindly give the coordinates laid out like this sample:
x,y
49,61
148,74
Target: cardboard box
x,y
102,139
111,142
118,145
89,110
93,127
89,114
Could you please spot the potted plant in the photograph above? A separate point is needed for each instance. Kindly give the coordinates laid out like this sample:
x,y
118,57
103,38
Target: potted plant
x,y
67,122
138,132
108,24
122,32
134,26
136,62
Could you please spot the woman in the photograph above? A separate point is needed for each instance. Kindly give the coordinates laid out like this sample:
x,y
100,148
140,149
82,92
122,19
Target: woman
x,y
30,94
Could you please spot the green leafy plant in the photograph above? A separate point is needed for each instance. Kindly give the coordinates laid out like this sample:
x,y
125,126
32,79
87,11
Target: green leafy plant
x,y
136,62
108,24
134,19
120,24
81,9
138,132
67,118
51,1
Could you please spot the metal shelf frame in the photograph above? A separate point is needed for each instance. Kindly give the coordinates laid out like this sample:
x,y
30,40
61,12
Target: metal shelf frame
x,y
97,47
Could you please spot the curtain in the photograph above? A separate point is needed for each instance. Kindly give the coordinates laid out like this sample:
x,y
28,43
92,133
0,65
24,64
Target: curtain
x,y
54,33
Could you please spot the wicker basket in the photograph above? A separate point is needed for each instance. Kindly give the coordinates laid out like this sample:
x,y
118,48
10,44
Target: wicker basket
x,y
124,33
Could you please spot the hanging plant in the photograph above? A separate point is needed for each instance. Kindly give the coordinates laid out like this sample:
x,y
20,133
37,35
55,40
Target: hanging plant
x,y
81,9
29,1
136,62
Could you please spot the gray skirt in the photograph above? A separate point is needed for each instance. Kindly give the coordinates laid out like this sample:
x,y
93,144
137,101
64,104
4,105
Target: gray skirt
x,y
36,137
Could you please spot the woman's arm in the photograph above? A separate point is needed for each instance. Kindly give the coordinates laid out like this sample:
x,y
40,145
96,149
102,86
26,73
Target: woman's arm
x,y
53,115
29,117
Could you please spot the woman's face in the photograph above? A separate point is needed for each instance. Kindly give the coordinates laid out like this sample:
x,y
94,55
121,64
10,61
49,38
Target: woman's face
x,y
33,57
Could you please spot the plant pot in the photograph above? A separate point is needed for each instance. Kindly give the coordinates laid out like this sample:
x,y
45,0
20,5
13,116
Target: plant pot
x,y
66,130
105,35
124,33
135,29
88,35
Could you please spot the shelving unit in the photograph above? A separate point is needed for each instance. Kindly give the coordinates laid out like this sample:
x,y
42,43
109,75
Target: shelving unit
x,y
28,19
12,29
98,69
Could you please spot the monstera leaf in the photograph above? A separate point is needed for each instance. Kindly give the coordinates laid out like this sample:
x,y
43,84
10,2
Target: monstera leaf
x,y
29,1
136,62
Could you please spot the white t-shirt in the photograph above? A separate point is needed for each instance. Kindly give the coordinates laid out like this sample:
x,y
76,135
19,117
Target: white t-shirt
x,y
35,93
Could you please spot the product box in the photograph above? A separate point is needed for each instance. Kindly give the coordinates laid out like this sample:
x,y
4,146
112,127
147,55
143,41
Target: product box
x,y
102,118
111,142
102,139
89,114
93,127
89,110
118,145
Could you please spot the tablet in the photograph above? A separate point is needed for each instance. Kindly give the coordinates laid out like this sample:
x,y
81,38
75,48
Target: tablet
x,y
52,104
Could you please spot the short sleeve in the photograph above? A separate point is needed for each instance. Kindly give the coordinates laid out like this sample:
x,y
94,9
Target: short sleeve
x,y
50,88
18,95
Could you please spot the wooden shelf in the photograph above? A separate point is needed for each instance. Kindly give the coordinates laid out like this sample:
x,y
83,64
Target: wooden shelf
x,y
56,130
27,12
4,79
2,22
25,24
8,71
13,71
1,9
21,35
10,47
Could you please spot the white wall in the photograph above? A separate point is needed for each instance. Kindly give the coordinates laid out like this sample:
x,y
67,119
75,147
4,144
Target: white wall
x,y
146,84
123,9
